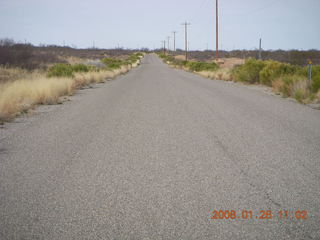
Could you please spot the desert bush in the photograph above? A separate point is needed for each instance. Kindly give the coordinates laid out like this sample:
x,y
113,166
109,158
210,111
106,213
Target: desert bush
x,y
318,96
134,57
273,70
60,70
315,86
81,68
295,57
68,70
248,72
162,55
301,91
292,86
202,66
112,63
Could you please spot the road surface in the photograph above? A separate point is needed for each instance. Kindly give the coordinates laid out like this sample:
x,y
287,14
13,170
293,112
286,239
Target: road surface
x,y
153,153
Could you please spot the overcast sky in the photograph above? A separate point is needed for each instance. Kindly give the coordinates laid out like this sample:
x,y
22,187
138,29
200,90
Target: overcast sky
x,y
282,24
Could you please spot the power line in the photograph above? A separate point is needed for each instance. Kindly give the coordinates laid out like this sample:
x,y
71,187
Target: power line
x,y
258,9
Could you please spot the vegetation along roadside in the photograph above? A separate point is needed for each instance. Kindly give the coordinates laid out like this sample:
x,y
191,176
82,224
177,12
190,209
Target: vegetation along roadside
x,y
21,90
285,79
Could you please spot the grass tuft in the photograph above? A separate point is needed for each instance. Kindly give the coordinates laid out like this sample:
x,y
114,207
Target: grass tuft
x,y
19,96
220,74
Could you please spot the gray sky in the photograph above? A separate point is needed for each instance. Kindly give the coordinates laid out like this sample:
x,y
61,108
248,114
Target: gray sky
x,y
282,24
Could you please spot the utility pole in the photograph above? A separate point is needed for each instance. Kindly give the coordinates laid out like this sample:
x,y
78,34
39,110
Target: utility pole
x,y
164,46
168,43
260,49
217,30
174,40
186,38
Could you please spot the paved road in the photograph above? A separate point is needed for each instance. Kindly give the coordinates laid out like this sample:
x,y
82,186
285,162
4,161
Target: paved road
x,y
151,154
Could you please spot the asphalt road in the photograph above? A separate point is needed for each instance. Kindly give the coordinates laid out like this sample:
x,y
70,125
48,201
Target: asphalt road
x,y
151,154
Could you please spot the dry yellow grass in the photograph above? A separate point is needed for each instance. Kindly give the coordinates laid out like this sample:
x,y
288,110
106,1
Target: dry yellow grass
x,y
318,96
293,86
10,74
229,63
220,74
180,57
277,86
83,79
20,95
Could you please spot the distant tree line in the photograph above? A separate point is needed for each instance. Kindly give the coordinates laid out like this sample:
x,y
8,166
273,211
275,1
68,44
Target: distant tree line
x,y
27,56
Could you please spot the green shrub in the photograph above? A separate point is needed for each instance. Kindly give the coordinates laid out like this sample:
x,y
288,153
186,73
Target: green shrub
x,y
299,95
273,70
202,66
292,86
112,63
179,63
60,70
108,61
315,83
162,55
170,58
315,78
67,70
286,87
134,57
249,71
81,68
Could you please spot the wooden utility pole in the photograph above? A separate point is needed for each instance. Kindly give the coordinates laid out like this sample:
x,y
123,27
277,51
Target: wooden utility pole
x,y
186,38
164,46
260,49
168,43
174,40
217,30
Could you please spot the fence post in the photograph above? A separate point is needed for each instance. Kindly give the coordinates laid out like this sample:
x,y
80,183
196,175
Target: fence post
x,y
310,73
